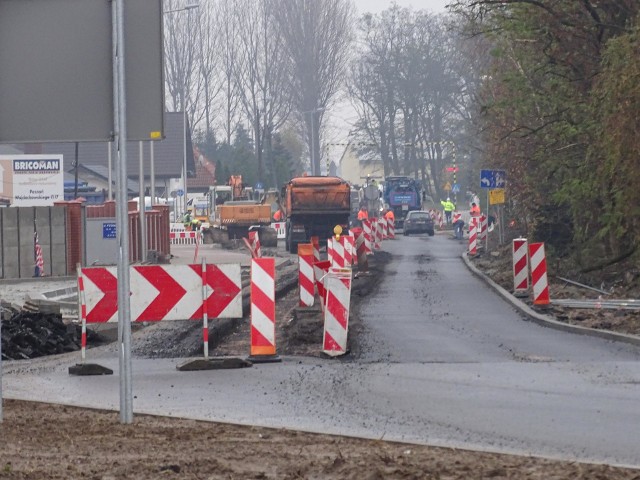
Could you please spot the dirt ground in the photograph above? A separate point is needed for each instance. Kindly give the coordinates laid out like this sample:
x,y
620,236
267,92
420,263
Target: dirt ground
x,y
43,441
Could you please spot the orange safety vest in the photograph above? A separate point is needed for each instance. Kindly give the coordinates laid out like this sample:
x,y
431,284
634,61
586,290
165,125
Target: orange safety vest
x,y
277,216
390,215
363,215
475,211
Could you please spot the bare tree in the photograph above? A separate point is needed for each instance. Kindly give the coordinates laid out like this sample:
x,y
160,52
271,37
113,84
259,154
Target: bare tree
x,y
208,46
317,37
229,50
180,55
263,75
407,88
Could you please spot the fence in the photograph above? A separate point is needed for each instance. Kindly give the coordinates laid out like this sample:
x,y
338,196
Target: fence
x,y
71,233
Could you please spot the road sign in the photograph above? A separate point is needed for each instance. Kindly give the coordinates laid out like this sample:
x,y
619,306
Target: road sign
x,y
164,292
452,169
455,188
259,186
496,196
371,192
493,178
180,192
447,186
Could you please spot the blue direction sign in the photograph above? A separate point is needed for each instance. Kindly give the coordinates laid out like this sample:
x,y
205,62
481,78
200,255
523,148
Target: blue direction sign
x,y
455,188
180,192
493,178
109,230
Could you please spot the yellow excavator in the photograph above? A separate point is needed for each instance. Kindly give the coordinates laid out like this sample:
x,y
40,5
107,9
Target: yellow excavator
x,y
233,214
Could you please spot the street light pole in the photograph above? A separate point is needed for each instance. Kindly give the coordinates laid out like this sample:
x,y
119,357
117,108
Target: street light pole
x,y
186,8
315,169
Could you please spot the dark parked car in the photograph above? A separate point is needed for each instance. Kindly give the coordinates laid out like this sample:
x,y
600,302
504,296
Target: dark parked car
x,y
419,222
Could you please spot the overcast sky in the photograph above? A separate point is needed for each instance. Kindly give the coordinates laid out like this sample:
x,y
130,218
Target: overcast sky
x,y
375,6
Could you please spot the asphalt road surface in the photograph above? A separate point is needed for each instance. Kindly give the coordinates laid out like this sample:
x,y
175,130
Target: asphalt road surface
x,y
445,361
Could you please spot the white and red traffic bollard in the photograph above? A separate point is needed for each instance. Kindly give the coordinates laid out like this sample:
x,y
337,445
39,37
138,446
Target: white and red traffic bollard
x,y
338,254
361,251
367,232
539,281
253,244
305,274
320,269
315,241
473,237
349,242
391,227
520,266
263,310
336,313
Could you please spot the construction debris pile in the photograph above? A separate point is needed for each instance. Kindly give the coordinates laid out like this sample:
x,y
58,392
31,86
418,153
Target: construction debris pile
x,y
28,334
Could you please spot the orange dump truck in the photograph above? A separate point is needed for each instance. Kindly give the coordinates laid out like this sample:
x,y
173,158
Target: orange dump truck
x,y
314,206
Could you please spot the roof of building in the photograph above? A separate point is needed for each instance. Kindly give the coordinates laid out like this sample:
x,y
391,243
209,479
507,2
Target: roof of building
x,y
168,152
205,173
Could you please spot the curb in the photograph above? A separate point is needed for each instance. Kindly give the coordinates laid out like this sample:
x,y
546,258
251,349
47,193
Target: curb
x,y
546,320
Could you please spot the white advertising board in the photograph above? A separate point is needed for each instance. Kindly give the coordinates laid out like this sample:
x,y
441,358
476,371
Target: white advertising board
x,y
32,180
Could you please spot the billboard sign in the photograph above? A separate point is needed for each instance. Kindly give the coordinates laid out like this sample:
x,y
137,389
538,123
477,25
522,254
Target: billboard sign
x,y
32,180
57,70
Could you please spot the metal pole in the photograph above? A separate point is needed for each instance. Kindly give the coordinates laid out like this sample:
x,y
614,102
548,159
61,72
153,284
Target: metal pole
x,y
109,167
313,146
1,368
486,238
152,169
184,140
122,216
142,206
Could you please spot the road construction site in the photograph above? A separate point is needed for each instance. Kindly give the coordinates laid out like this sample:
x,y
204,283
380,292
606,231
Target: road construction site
x,y
436,357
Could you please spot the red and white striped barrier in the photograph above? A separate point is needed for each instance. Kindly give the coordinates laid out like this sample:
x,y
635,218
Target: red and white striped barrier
x,y
484,222
520,266
280,228
320,269
368,235
361,251
349,247
253,244
305,274
440,219
315,241
83,314
382,222
455,217
391,227
183,238
263,309
376,231
336,313
539,280
161,292
473,238
336,252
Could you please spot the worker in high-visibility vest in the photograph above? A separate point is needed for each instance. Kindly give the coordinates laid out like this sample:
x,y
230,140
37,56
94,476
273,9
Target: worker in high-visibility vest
x,y
475,210
390,215
363,214
448,207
